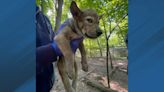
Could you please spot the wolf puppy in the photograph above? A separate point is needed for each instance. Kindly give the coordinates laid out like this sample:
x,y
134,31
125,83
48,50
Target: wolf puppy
x,y
83,24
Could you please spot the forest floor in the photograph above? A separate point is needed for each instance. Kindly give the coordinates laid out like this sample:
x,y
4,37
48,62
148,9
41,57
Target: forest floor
x,y
97,72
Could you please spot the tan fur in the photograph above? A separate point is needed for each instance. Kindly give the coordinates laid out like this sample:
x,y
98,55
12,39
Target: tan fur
x,y
86,24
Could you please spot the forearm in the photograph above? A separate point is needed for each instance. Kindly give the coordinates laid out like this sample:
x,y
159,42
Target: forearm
x,y
45,54
82,51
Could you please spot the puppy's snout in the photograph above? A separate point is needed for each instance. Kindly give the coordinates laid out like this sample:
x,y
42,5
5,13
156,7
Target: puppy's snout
x,y
99,32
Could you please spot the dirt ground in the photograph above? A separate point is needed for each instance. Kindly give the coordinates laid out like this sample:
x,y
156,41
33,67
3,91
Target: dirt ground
x,y
97,72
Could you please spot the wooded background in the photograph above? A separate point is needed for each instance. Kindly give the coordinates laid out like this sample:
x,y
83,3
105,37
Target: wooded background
x,y
114,23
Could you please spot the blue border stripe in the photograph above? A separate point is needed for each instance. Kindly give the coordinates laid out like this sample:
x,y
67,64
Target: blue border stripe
x,y
146,43
17,46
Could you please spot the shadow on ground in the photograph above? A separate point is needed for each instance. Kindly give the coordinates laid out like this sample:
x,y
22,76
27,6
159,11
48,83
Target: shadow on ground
x,y
97,72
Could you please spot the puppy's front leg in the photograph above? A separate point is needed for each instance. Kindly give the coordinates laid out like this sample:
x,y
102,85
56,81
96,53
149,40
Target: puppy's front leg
x,y
64,45
63,74
83,57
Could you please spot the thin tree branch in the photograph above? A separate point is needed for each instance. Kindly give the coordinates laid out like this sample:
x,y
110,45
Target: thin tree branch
x,y
117,25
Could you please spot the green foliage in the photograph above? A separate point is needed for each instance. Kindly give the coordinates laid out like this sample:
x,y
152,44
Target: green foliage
x,y
48,8
113,10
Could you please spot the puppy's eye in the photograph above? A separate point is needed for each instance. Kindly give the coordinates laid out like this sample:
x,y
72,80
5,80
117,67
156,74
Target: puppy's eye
x,y
90,20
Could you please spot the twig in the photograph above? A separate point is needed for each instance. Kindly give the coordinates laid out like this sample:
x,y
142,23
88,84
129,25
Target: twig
x,y
97,85
86,74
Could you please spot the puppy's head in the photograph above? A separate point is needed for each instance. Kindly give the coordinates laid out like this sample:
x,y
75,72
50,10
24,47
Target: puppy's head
x,y
87,21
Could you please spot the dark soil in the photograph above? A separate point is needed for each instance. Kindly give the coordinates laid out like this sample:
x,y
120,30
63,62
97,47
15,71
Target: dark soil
x,y
97,66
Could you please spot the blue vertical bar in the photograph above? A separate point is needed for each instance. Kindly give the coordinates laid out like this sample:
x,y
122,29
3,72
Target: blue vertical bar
x,y
17,46
146,45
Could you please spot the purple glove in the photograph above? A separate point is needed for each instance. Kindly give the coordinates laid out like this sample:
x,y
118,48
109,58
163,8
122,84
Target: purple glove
x,y
74,45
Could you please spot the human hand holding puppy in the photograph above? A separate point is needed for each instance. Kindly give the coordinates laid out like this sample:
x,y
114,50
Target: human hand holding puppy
x,y
69,37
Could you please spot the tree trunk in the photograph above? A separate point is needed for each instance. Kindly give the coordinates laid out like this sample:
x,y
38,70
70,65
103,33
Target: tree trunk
x,y
110,57
107,54
58,7
107,60
100,49
90,48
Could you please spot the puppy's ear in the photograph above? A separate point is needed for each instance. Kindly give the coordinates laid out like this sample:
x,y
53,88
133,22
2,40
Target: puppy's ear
x,y
100,17
75,11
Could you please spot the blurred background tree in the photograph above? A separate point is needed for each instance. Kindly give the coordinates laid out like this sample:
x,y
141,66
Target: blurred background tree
x,y
114,23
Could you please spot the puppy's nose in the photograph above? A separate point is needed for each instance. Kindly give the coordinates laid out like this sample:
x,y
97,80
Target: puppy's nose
x,y
99,33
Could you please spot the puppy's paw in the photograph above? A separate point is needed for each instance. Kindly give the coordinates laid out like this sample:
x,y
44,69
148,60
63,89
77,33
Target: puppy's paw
x,y
85,67
70,90
70,72
70,75
73,90
74,84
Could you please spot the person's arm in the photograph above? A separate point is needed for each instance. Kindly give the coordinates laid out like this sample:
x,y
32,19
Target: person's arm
x,y
48,53
45,54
